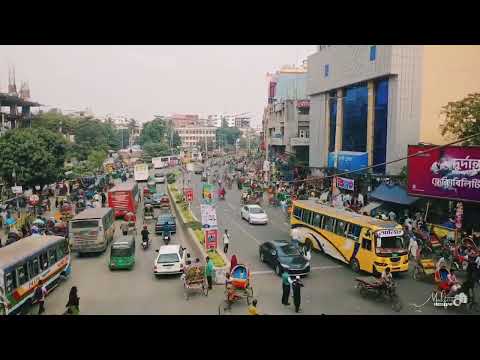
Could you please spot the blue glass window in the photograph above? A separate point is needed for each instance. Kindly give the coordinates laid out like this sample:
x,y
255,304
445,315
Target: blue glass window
x,y
380,125
373,53
326,70
355,118
333,121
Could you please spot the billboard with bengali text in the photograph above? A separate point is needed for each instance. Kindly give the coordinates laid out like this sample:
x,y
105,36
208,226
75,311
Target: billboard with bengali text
x,y
451,172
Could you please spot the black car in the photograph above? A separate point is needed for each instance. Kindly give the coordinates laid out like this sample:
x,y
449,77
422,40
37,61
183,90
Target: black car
x,y
166,222
281,254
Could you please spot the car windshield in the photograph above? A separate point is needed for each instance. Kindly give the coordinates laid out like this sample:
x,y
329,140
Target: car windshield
x,y
157,196
255,210
82,224
167,258
120,252
288,250
387,244
165,220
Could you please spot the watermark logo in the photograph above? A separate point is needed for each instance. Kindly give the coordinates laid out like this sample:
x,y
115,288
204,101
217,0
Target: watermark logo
x,y
440,299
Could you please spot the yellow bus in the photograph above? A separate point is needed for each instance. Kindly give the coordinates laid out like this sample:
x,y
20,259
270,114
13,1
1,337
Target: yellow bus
x,y
363,242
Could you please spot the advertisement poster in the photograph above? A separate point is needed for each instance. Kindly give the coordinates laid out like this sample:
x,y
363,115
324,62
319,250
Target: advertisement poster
x,y
209,216
211,239
188,192
451,173
207,192
344,183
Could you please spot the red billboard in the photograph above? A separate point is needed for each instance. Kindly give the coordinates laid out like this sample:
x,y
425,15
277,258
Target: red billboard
x,y
211,239
188,194
452,172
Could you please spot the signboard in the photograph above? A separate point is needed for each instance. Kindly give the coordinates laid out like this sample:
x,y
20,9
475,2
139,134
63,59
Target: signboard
x,y
451,173
207,192
17,189
211,239
303,104
188,194
389,233
209,216
348,160
300,141
266,165
344,183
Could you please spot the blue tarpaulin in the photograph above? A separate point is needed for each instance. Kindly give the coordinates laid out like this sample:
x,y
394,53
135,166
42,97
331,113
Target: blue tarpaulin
x,y
392,193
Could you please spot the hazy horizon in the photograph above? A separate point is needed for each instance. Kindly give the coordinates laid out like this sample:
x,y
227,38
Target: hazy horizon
x,y
141,81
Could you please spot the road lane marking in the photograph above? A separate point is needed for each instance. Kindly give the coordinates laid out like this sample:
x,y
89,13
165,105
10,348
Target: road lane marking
x,y
315,268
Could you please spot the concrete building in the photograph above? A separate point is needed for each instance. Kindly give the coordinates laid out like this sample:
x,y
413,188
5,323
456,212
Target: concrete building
x,y
377,99
181,120
196,135
286,119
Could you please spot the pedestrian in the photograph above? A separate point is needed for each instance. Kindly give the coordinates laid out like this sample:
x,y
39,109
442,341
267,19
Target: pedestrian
x,y
40,293
73,304
56,202
226,241
392,216
233,262
209,272
296,286
413,247
104,199
252,309
286,282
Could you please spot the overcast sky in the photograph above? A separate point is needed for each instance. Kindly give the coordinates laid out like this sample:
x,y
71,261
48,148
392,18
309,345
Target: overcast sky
x,y
140,81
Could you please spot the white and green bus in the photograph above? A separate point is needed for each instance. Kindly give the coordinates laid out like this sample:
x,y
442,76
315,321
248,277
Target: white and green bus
x,y
25,263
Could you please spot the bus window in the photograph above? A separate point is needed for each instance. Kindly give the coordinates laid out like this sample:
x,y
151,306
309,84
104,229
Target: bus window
x,y
328,223
52,258
33,267
340,228
306,216
22,274
354,231
317,219
10,281
367,244
59,250
297,212
44,261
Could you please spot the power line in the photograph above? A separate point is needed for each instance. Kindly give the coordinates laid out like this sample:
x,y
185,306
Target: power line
x,y
390,162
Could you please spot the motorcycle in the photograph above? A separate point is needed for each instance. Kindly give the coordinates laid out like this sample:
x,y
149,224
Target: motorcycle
x,y
371,286
167,237
145,244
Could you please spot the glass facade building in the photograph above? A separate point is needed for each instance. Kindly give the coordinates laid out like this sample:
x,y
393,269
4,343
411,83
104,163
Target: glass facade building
x,y
355,106
380,125
333,121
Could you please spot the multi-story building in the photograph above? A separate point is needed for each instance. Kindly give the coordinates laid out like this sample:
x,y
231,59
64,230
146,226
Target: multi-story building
x,y
286,117
377,99
196,135
181,120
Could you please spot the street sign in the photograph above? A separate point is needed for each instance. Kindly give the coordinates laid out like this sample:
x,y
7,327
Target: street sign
x,y
188,192
211,239
209,216
34,199
17,189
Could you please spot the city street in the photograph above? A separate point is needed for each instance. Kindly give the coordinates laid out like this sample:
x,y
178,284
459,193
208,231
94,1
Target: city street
x,y
329,289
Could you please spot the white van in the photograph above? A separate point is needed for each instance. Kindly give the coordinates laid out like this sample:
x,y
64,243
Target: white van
x,y
170,260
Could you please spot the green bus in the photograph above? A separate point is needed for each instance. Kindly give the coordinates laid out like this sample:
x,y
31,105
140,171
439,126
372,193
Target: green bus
x,y
122,253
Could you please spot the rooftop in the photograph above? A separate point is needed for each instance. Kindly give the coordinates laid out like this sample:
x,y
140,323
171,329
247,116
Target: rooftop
x,y
12,100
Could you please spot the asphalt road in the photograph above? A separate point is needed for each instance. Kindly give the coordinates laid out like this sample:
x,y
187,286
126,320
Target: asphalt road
x,y
329,289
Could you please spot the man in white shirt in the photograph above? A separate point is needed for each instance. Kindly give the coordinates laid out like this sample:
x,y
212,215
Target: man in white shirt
x,y
226,241
413,247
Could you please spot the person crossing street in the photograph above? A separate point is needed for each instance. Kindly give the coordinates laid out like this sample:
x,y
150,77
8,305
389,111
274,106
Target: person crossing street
x,y
286,283
226,241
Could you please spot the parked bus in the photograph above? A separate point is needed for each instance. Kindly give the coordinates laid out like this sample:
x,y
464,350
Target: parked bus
x,y
124,198
158,163
92,230
363,242
25,263
140,172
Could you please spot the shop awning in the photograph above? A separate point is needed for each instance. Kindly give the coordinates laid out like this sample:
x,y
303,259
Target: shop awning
x,y
393,193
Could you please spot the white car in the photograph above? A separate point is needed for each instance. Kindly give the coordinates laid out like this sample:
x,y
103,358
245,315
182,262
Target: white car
x,y
170,260
160,178
254,214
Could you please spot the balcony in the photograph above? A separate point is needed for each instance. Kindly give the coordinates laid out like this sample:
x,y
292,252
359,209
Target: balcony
x,y
300,141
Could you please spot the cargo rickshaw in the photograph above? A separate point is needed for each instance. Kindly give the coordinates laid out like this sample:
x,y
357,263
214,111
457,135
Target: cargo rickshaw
x,y
424,269
237,288
194,280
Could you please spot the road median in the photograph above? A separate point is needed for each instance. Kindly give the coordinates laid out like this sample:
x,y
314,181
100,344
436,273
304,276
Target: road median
x,y
196,235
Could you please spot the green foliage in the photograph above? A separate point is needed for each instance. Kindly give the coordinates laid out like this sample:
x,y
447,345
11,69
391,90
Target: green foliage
x,y
36,155
227,136
153,132
462,119
54,121
156,149
95,159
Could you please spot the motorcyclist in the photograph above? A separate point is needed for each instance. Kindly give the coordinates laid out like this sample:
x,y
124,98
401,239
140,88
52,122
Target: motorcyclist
x,y
145,234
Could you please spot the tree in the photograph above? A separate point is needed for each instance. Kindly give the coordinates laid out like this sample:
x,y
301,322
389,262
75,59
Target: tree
x,y
462,119
55,121
153,132
36,155
95,159
93,134
227,135
156,149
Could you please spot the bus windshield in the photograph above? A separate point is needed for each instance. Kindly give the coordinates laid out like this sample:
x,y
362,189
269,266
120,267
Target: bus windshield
x,y
389,244
120,252
82,224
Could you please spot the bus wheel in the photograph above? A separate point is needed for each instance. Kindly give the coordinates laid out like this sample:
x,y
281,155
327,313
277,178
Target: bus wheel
x,y
355,265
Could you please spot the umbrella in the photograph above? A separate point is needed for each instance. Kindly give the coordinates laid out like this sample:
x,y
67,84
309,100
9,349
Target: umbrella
x,y
11,221
38,222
